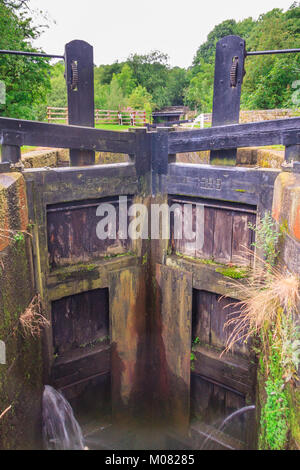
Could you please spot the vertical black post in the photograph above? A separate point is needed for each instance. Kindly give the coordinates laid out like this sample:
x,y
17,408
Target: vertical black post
x,y
229,71
160,159
12,142
292,153
79,75
11,153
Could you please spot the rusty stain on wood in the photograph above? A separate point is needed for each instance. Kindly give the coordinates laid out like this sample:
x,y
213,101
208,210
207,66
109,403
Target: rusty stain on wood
x,y
174,332
128,329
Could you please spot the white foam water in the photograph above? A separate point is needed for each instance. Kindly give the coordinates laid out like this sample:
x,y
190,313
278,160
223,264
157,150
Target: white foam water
x,y
61,430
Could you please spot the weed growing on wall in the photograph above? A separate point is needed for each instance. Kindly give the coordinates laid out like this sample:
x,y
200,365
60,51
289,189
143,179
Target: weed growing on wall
x,y
266,238
274,420
233,272
193,355
268,312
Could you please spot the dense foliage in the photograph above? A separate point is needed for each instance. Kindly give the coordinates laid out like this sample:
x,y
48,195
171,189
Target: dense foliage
x,y
147,81
270,81
26,79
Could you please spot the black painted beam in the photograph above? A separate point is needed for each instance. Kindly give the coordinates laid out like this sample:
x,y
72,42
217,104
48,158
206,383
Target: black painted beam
x,y
42,134
276,132
10,153
244,185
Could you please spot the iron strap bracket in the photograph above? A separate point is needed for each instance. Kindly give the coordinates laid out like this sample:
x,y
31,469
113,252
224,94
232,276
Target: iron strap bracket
x,y
234,71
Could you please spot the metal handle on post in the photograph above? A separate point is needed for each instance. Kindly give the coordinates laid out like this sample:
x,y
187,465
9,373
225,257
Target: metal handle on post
x,y
79,74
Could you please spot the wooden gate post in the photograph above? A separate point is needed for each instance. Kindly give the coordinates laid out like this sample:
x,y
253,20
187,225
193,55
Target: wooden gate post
x,y
79,73
229,72
12,142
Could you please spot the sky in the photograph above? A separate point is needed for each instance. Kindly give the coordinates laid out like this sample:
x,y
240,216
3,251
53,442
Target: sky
x,y
117,28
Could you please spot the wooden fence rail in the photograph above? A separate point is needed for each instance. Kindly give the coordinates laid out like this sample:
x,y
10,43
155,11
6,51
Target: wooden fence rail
x,y
103,116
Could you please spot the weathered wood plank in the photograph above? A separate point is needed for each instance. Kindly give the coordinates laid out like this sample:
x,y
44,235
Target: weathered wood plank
x,y
207,250
42,134
276,132
61,185
201,391
177,229
72,233
218,319
187,245
70,370
226,231
205,276
223,309
242,238
235,373
244,185
79,320
222,235
202,304
81,394
75,279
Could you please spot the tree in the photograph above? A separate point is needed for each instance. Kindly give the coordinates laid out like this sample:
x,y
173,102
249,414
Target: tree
x,y
269,79
101,92
115,98
199,94
58,92
141,99
176,84
151,72
104,73
207,50
125,80
26,79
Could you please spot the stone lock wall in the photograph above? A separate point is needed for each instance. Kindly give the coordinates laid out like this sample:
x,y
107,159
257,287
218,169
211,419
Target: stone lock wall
x,y
286,212
21,375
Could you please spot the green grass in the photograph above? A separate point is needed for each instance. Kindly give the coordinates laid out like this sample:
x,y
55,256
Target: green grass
x,y
27,148
233,272
274,147
107,127
223,161
113,127
24,149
